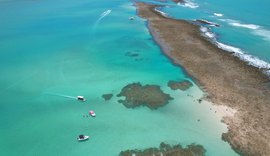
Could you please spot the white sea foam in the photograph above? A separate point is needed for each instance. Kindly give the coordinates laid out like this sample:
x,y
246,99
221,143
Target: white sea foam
x,y
161,12
263,33
248,26
218,14
204,29
189,4
251,60
208,33
229,48
239,24
256,29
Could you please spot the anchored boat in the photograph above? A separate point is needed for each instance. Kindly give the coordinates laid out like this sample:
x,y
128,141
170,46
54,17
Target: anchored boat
x,y
92,113
82,137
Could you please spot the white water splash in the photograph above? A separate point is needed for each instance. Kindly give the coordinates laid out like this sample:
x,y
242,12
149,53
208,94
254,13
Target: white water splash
x,y
251,60
263,33
206,31
161,12
218,14
189,4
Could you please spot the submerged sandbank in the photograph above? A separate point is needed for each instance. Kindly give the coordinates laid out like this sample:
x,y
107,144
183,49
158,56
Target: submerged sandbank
x,y
226,79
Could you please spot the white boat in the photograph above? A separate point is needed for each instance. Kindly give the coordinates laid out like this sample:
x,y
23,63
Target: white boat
x,y
131,18
81,98
92,113
82,137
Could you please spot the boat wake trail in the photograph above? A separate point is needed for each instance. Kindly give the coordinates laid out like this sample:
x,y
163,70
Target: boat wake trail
x,y
104,14
61,95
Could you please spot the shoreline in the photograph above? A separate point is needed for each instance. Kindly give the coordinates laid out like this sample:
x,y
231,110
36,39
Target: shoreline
x,y
228,81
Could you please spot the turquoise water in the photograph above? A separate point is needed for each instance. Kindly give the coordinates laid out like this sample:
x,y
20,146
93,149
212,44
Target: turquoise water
x,y
50,50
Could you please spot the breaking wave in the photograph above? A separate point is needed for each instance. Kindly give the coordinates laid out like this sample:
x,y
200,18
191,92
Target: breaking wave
x,y
161,12
218,14
239,24
206,31
256,29
188,4
248,26
251,60
263,33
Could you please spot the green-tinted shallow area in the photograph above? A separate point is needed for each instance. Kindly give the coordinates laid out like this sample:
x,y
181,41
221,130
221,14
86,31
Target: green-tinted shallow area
x,y
50,50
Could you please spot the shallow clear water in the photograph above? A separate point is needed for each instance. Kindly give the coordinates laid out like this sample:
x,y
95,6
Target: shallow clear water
x,y
50,50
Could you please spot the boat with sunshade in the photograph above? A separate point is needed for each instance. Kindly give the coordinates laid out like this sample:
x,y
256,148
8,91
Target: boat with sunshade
x,y
82,137
81,98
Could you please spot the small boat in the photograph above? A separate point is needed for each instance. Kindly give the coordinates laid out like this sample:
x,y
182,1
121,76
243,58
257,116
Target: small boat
x,y
131,18
81,98
82,137
92,113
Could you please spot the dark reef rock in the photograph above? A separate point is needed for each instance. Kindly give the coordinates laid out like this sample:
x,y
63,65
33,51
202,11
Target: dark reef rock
x,y
205,22
149,95
167,150
107,97
179,1
183,85
131,54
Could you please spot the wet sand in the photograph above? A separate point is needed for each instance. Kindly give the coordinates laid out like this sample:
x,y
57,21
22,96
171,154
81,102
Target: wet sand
x,y
226,80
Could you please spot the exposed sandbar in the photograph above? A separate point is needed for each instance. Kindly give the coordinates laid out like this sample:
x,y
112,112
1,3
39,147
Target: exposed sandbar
x,y
149,95
225,78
